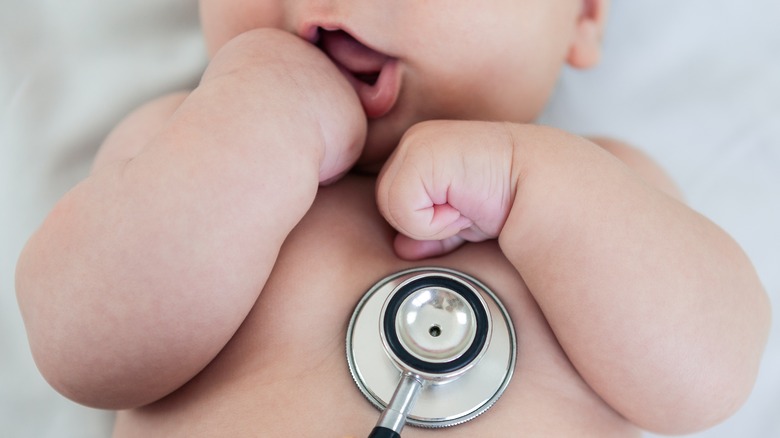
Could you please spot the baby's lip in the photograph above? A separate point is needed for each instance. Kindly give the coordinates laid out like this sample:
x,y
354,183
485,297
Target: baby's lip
x,y
374,75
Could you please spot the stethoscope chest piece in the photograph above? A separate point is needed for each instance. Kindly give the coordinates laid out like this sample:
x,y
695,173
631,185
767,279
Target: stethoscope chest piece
x,y
430,347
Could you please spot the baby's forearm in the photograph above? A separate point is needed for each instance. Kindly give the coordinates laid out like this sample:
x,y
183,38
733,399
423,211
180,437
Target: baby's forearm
x,y
148,258
144,271
657,308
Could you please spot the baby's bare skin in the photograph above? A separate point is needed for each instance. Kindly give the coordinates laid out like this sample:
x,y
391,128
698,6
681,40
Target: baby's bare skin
x,y
201,280
284,373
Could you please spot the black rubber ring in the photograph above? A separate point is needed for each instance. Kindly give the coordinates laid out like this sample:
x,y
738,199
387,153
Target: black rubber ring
x,y
433,367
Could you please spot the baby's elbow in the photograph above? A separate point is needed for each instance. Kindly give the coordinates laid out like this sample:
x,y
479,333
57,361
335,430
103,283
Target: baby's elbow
x,y
99,385
705,378
696,413
717,379
104,373
70,360
83,390
82,368
93,379
702,399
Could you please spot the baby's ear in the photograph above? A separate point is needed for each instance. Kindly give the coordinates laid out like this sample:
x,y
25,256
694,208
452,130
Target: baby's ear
x,y
585,49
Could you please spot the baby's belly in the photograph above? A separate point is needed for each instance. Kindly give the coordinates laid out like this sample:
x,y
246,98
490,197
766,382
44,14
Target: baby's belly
x,y
285,372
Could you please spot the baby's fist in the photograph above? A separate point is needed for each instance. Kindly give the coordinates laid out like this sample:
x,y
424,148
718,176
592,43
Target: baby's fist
x,y
446,183
274,76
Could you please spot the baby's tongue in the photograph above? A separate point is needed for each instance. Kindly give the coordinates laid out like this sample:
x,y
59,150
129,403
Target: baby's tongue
x,y
350,53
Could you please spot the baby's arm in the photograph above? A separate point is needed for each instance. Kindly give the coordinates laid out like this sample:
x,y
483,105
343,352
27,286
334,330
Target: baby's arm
x,y
657,308
142,273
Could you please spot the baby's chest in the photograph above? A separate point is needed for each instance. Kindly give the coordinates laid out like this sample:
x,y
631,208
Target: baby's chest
x,y
289,355
339,251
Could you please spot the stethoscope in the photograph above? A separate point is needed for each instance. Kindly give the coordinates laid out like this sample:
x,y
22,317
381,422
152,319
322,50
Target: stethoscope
x,y
430,347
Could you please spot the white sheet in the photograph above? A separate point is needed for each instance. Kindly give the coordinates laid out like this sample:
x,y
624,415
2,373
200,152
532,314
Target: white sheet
x,y
696,83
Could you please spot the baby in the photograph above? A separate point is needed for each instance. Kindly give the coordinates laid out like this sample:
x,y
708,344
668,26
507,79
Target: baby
x,y
200,280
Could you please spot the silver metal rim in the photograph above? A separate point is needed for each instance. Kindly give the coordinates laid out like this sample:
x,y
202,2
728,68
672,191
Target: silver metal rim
x,y
438,405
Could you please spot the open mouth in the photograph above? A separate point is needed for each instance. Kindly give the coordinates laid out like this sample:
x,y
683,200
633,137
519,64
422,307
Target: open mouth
x,y
374,75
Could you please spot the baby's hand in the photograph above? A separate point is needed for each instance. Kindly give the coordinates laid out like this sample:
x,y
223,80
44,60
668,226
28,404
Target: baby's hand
x,y
448,182
270,75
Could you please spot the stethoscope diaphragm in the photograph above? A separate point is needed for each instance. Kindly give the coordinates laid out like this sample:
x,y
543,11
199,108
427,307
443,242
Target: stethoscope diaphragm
x,y
430,347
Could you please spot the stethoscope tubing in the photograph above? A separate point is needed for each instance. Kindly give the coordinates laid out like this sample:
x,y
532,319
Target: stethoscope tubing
x,y
393,417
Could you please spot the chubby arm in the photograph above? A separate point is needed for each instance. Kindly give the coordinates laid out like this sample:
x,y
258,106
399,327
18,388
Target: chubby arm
x,y
658,309
142,273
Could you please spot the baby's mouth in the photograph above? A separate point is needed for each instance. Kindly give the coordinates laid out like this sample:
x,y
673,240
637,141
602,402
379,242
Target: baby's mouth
x,y
374,75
